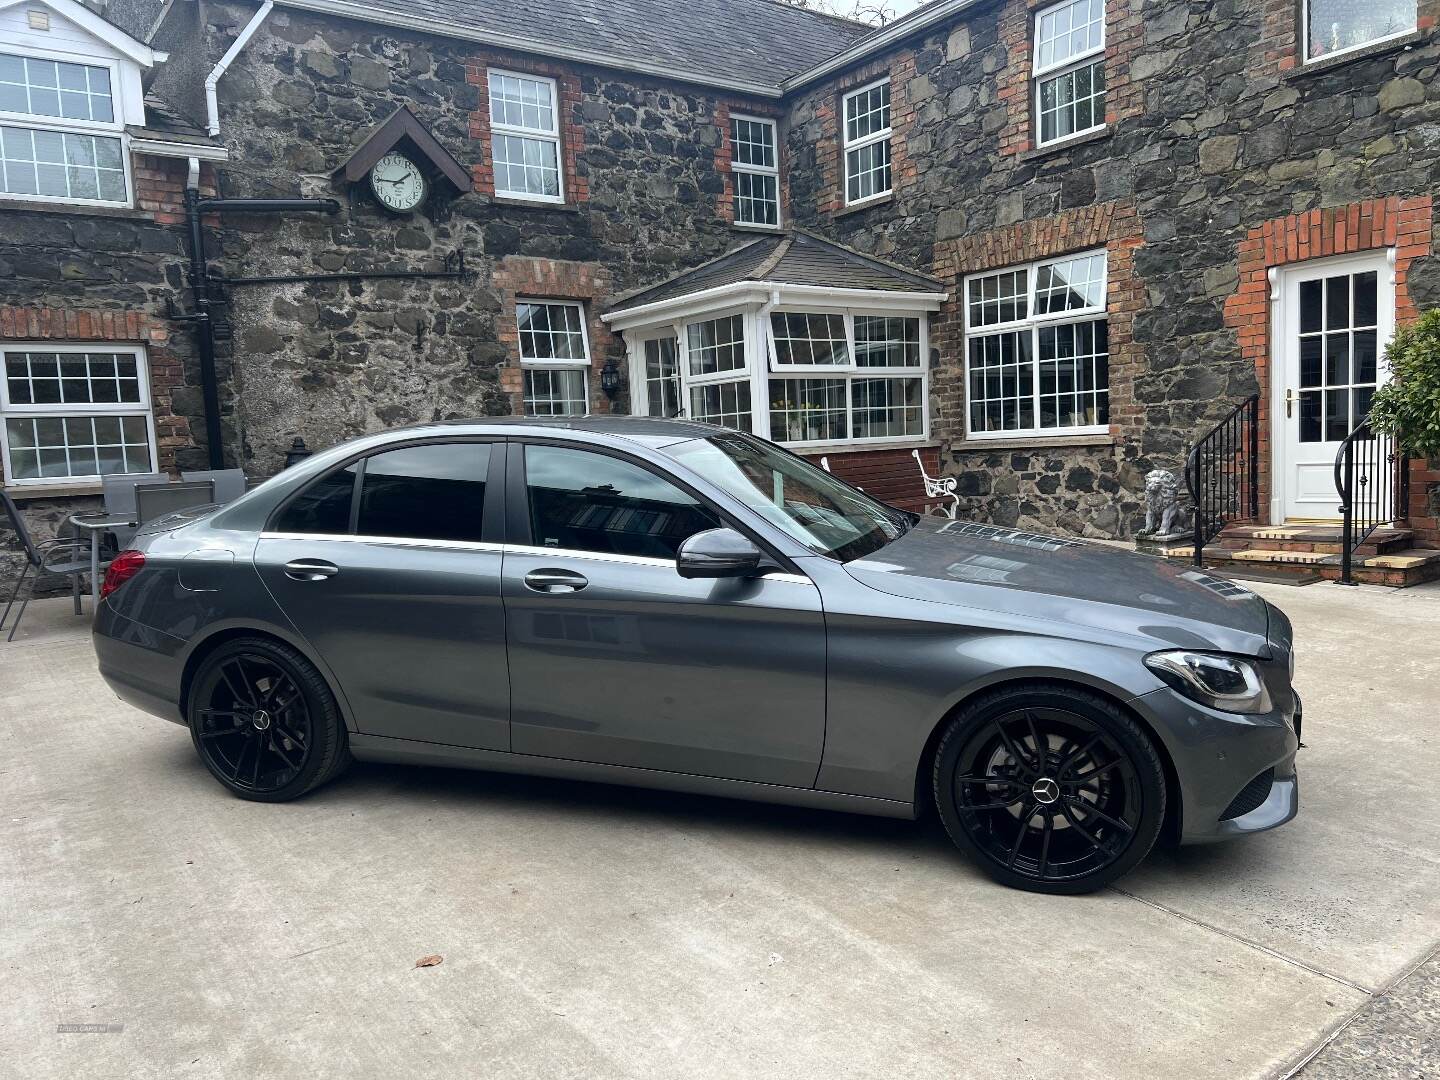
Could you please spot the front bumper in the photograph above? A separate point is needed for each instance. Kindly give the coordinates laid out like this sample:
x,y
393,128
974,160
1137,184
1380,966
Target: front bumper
x,y
1218,756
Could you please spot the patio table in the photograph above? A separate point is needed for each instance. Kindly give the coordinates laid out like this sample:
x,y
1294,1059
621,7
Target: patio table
x,y
96,524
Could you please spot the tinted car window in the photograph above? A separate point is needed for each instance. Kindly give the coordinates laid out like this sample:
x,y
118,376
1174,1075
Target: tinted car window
x,y
323,507
593,502
431,492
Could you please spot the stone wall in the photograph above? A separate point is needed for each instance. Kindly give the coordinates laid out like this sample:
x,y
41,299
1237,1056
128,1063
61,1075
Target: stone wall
x,y
1213,130
330,360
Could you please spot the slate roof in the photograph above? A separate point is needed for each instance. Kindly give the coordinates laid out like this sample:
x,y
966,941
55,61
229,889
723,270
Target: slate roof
x,y
751,41
795,258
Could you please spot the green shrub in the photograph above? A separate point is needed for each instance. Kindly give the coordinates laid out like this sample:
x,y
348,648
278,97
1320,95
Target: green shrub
x,y
1408,407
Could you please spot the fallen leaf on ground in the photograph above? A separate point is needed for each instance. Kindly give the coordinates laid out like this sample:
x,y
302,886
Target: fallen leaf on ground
x,y
430,961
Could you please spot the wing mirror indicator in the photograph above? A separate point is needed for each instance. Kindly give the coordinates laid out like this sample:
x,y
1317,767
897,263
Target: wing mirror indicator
x,y
718,553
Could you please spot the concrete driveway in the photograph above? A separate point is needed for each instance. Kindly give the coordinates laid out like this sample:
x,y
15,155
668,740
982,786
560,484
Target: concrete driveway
x,y
605,932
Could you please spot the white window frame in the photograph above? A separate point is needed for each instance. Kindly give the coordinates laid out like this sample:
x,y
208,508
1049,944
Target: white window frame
x,y
144,407
848,145
535,134
556,363
1050,72
115,129
1348,49
737,166
1033,323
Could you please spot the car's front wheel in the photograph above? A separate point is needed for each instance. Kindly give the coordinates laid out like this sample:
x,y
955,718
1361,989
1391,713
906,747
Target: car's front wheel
x,y
1052,789
264,721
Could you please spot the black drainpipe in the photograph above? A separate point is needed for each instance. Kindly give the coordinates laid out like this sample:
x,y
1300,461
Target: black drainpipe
x,y
201,299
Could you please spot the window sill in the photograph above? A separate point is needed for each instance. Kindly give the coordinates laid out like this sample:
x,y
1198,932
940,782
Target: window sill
x,y
1069,143
822,449
1030,442
535,204
868,204
75,209
1322,64
21,492
739,226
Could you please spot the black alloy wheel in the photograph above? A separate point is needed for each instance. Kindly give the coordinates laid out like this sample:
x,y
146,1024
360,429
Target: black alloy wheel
x,y
1054,790
264,722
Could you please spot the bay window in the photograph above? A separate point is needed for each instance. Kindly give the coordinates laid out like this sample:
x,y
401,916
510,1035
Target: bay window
x,y
555,357
718,370
867,142
74,413
1069,69
61,133
1037,349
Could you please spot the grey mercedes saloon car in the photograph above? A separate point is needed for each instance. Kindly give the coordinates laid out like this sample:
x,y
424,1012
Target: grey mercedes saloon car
x,y
669,604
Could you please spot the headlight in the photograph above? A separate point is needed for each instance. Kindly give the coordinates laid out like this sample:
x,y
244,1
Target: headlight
x,y
1222,682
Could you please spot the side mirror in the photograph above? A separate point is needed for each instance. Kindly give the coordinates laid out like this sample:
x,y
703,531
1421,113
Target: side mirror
x,y
718,553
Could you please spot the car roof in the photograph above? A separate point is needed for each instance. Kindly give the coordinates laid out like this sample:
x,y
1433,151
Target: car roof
x,y
650,430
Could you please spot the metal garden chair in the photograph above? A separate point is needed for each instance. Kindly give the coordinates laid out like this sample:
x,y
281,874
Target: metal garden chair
x,y
65,557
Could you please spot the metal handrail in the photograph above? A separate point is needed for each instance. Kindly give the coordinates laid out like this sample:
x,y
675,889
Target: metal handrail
x,y
1372,478
1222,474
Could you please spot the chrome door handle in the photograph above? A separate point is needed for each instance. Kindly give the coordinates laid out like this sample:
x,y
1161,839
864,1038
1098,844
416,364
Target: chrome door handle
x,y
555,581
1289,401
310,570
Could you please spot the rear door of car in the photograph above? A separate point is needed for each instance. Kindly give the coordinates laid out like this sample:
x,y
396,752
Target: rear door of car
x,y
390,568
617,659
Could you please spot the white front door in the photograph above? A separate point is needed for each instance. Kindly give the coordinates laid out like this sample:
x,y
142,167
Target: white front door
x,y
1335,318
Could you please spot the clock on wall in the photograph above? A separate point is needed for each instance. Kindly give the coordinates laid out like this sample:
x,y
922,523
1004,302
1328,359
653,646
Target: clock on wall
x,y
398,183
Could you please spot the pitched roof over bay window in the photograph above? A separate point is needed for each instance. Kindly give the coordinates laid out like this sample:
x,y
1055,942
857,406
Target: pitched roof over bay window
x,y
791,337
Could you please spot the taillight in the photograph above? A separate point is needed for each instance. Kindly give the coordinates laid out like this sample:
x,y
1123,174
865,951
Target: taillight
x,y
125,566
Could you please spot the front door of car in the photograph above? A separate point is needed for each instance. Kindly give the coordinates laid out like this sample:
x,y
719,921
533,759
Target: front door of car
x,y
615,658
390,569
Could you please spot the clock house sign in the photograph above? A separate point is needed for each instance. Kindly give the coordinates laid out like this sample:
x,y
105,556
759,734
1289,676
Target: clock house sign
x,y
400,163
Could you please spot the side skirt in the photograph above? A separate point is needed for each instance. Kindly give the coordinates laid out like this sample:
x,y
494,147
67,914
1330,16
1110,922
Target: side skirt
x,y
410,752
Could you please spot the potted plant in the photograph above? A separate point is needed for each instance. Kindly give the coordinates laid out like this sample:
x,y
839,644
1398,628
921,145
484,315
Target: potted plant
x,y
1408,407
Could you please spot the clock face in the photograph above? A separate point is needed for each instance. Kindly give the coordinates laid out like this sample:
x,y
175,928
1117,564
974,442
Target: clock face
x,y
397,183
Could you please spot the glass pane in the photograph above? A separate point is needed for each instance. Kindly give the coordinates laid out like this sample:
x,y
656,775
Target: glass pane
x,y
716,345
808,410
1310,416
802,338
1312,351
662,377
583,501
1337,302
550,332
1337,415
888,408
1366,355
1336,25
434,492
1367,299
726,404
1363,397
1337,359
1311,304
556,392
882,341
323,507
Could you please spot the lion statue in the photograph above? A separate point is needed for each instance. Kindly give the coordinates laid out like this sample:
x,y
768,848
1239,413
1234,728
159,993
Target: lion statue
x,y
1162,502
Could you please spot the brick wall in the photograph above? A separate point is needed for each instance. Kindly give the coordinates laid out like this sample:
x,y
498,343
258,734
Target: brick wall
x,y
724,157
555,279
891,476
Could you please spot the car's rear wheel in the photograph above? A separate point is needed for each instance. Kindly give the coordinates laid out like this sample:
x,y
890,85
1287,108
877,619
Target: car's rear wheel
x,y
264,722
1052,789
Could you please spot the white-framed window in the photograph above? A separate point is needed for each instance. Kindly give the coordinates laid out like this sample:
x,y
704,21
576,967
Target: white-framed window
x,y
1069,69
1332,27
525,137
61,129
755,170
864,378
717,372
1037,349
73,413
866,118
555,356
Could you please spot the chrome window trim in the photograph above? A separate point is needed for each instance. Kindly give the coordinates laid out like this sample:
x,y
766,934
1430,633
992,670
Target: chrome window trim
x,y
388,541
632,560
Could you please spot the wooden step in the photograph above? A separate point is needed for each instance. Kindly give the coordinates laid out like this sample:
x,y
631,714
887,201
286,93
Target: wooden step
x,y
1407,566
1326,539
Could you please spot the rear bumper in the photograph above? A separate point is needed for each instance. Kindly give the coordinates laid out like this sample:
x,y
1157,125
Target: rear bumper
x,y
1217,755
141,665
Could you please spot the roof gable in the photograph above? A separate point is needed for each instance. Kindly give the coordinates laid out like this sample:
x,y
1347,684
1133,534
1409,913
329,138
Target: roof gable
x,y
403,126
77,17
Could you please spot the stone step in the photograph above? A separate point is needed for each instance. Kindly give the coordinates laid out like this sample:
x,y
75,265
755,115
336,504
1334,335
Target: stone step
x,y
1327,539
1399,568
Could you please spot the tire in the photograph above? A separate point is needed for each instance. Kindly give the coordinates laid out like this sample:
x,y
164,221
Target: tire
x,y
264,721
1095,798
